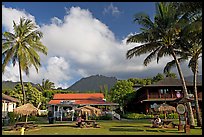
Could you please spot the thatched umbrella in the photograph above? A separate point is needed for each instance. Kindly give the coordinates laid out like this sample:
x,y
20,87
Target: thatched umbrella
x,y
94,110
26,110
83,110
164,107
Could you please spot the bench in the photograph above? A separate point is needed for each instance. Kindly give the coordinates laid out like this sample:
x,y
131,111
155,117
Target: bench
x,y
174,125
87,123
27,125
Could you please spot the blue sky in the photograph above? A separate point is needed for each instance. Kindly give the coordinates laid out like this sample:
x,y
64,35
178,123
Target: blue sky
x,y
121,23
83,39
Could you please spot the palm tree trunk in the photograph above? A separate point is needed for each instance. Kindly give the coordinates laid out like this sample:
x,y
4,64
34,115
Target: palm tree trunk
x,y
188,104
21,80
198,116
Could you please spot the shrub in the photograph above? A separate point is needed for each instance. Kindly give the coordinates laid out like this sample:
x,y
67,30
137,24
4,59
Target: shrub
x,y
105,117
32,118
172,116
12,117
149,116
137,116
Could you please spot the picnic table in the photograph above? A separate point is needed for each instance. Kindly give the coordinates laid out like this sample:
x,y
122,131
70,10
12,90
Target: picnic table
x,y
167,122
26,125
88,123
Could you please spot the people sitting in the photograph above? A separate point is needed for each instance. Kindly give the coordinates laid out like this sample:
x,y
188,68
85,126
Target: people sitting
x,y
157,122
80,121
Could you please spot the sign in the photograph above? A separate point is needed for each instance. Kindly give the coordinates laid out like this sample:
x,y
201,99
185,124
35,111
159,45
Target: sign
x,y
180,109
67,101
178,94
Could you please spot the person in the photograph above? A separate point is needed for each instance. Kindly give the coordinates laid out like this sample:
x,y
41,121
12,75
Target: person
x,y
157,121
80,121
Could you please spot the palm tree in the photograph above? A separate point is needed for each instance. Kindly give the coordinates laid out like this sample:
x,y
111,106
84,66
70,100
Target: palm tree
x,y
46,85
192,38
159,39
194,50
22,46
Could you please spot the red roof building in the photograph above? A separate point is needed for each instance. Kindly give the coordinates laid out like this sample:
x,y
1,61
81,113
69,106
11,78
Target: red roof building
x,y
65,104
80,99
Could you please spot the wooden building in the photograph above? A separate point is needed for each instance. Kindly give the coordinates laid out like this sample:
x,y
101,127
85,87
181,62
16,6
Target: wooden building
x,y
164,91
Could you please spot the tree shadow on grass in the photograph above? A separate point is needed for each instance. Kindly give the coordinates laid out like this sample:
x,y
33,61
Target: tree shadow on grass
x,y
127,126
58,125
126,129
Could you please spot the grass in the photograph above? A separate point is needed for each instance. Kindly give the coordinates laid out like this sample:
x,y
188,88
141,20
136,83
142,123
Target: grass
x,y
107,127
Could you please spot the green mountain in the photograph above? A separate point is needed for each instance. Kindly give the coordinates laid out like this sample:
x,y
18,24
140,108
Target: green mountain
x,y
94,83
11,84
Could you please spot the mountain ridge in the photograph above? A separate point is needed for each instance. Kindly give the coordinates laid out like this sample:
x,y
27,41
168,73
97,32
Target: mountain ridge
x,y
94,83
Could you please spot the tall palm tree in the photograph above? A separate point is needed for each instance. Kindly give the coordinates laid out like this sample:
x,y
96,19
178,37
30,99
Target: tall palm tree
x,y
192,40
159,39
194,52
22,47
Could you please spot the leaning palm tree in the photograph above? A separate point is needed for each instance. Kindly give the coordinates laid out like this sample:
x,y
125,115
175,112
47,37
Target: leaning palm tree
x,y
159,39
22,47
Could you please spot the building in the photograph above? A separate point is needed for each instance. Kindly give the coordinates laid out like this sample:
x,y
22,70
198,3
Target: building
x,y
165,90
62,104
8,105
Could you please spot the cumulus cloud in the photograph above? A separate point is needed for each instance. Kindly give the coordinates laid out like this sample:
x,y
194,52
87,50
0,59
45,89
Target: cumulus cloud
x,y
10,14
111,9
80,45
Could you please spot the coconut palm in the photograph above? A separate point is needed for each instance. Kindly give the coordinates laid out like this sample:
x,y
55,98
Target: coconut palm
x,y
46,85
22,47
193,52
192,43
159,39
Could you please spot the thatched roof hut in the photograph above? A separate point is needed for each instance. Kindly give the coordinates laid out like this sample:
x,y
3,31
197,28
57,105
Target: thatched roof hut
x,y
164,107
27,109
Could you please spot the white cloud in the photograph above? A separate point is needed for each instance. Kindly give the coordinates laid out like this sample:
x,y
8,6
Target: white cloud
x,y
10,14
111,9
80,46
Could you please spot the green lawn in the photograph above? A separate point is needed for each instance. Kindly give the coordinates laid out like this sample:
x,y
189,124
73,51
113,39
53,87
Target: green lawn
x,y
134,127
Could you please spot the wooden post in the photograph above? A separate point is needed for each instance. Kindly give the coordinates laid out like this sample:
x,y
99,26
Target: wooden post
x,y
180,127
147,94
187,126
26,118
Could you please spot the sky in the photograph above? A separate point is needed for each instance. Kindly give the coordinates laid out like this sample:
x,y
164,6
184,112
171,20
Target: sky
x,y
84,39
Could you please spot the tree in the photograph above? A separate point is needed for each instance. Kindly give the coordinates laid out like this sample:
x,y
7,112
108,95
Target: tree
x,y
46,85
22,46
171,75
104,90
119,92
194,50
159,39
34,96
158,77
191,43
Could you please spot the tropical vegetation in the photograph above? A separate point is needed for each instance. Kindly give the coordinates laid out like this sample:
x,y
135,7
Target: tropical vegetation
x,y
21,47
162,37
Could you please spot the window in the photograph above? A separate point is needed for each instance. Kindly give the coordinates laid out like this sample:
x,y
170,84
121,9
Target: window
x,y
163,91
